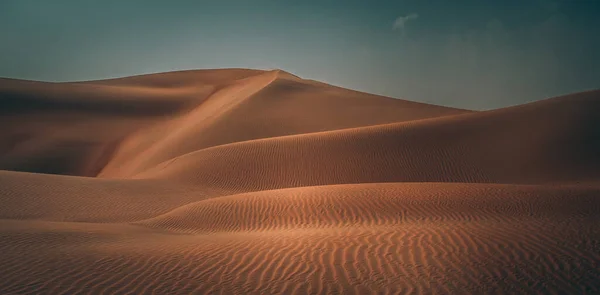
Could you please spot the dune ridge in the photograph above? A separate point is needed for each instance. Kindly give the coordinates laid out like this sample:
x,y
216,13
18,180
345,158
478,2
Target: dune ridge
x,y
238,181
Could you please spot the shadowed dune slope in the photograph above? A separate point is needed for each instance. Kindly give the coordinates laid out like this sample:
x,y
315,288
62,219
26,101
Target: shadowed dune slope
x,y
148,119
68,128
68,198
74,128
237,181
177,79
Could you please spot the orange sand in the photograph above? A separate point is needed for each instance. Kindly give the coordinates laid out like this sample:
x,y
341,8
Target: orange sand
x,y
259,182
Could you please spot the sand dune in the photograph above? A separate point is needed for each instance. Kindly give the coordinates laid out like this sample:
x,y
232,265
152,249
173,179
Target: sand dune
x,y
268,105
241,181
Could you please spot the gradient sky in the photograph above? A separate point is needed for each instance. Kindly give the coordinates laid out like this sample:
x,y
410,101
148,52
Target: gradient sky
x,y
476,54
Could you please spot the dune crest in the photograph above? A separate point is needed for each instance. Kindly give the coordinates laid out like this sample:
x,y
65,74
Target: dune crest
x,y
240,181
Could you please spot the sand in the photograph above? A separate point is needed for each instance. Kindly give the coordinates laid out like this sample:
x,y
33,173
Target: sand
x,y
239,181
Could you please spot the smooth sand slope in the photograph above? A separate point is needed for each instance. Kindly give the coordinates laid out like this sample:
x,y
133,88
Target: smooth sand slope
x,y
239,181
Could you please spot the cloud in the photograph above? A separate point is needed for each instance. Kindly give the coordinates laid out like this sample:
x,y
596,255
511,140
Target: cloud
x,y
401,21
494,65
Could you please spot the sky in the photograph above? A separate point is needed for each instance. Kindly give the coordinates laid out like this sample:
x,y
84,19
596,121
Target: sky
x,y
473,54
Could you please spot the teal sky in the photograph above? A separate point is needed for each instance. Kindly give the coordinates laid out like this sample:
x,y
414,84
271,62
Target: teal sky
x,y
472,54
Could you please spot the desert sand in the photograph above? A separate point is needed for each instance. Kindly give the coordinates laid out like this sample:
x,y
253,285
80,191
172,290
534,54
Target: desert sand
x,y
238,181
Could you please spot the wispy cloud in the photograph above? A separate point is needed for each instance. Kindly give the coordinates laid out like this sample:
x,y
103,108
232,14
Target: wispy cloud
x,y
401,21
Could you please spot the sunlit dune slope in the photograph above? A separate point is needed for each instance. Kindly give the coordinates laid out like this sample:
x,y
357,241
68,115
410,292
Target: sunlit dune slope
x,y
378,204
238,181
554,141
268,105
358,239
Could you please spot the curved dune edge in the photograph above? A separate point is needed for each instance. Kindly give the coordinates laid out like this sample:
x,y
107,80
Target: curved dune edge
x,y
240,181
437,257
489,147
260,107
378,204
